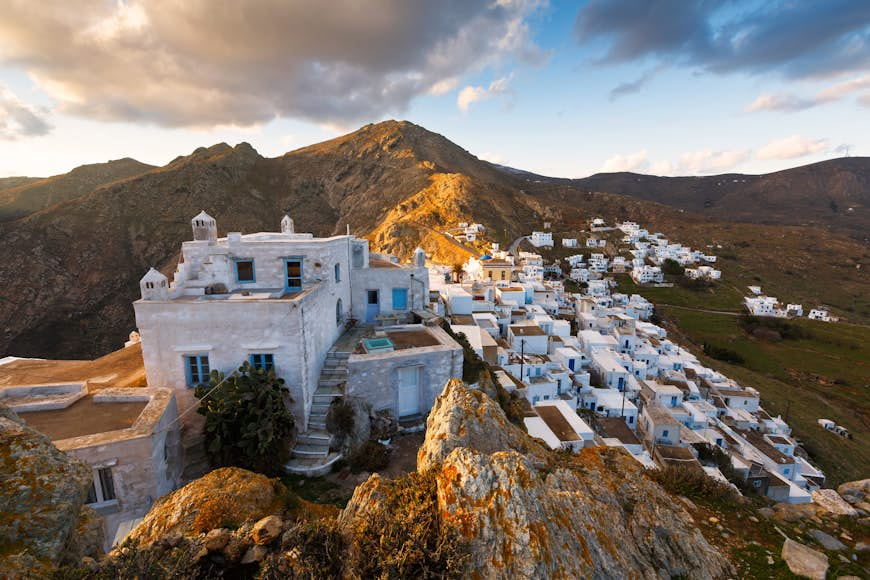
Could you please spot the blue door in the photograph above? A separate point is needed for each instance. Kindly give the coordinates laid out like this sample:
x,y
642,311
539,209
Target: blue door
x,y
373,305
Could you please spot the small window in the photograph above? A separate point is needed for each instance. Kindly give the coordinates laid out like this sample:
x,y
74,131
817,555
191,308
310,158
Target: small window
x,y
400,298
337,273
631,420
756,483
197,369
665,433
102,486
245,271
263,361
339,312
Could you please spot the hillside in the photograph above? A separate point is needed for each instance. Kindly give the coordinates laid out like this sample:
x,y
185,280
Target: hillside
x,y
70,271
20,196
833,194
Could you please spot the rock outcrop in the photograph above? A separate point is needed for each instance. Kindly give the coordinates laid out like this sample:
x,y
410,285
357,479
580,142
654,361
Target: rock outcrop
x,y
528,513
224,497
803,561
42,494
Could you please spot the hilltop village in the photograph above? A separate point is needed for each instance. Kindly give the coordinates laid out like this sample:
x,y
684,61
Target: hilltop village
x,y
585,364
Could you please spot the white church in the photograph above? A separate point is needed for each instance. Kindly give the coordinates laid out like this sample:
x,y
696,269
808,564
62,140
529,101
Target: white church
x,y
277,300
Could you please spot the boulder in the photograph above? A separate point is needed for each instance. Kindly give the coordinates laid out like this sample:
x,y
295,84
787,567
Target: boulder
x,y
794,512
266,530
855,491
830,501
828,541
226,497
216,539
41,501
254,554
804,561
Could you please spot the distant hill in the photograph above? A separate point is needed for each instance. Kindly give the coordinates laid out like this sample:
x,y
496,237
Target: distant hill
x,y
20,196
69,271
834,194
10,182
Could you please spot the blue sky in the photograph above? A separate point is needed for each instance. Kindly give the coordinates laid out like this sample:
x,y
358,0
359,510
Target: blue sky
x,y
672,87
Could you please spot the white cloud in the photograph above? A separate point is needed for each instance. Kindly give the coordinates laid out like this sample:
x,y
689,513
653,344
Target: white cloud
x,y
790,102
707,161
791,148
470,94
18,119
690,163
633,162
492,157
201,63
780,102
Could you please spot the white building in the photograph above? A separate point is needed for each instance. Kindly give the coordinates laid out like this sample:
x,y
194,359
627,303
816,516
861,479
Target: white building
x,y
569,242
541,239
276,300
647,275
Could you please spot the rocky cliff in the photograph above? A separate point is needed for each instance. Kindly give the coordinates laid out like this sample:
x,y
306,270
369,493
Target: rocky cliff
x,y
530,513
42,493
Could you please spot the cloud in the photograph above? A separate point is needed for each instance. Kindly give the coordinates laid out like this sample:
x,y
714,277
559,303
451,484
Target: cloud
x,y
203,63
18,119
791,148
631,87
633,162
790,102
707,161
781,102
690,163
470,94
794,39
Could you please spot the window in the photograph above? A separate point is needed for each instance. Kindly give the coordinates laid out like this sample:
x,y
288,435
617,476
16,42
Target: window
x,y
339,312
102,487
245,270
665,433
756,483
293,267
196,368
631,420
371,296
337,273
400,298
263,361
503,274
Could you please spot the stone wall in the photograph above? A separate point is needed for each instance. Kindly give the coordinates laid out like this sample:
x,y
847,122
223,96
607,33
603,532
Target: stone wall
x,y
415,280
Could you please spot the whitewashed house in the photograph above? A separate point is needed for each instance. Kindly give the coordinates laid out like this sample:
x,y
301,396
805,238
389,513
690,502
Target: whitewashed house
x,y
541,239
569,242
277,300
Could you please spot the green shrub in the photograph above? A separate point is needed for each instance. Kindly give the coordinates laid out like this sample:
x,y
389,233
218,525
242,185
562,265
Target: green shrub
x,y
765,326
722,353
371,456
472,365
340,418
672,267
248,422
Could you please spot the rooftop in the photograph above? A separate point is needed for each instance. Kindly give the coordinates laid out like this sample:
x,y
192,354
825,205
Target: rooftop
x,y
404,339
84,417
557,423
121,368
527,330
617,428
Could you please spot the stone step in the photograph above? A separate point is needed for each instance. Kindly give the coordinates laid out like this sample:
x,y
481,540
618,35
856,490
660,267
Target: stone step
x,y
317,423
312,466
314,437
337,356
333,374
308,450
330,383
326,398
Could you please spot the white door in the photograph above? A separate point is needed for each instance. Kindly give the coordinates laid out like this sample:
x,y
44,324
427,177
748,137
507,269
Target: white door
x,y
409,391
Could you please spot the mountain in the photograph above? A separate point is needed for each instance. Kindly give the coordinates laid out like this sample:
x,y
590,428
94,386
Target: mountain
x,y
833,194
20,196
70,271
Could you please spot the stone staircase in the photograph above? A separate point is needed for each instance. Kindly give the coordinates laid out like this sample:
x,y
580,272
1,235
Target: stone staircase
x,y
311,456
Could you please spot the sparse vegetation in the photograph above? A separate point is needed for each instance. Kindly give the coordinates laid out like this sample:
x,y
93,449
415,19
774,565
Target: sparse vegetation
x,y
691,482
722,353
472,365
371,456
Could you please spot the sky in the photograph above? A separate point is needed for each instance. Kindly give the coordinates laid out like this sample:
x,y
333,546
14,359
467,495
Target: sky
x,y
669,87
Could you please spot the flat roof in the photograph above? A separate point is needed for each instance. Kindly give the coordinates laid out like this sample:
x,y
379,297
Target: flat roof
x,y
617,428
122,368
381,263
404,339
527,330
84,417
557,423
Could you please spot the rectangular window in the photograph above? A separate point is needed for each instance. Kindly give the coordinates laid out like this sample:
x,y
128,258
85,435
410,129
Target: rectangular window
x,y
102,487
337,273
293,267
400,298
263,361
245,270
665,433
197,369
